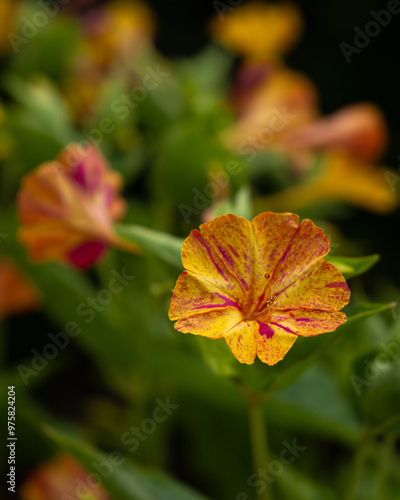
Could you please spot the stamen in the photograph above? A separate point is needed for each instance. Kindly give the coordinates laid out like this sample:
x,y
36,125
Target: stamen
x,y
270,302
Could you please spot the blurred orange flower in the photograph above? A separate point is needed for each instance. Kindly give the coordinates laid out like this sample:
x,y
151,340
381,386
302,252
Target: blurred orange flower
x,y
61,477
8,13
359,129
278,112
258,31
258,284
280,101
17,294
67,208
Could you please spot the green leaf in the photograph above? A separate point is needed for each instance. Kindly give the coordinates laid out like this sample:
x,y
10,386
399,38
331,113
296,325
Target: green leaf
x,y
240,205
164,245
218,356
43,105
363,311
295,485
353,266
319,406
127,481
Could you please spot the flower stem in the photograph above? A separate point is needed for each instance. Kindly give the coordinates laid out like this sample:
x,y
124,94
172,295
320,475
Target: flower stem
x,y
357,470
259,445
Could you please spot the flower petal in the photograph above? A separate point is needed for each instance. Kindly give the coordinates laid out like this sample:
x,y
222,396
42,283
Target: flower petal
x,y
306,322
223,253
322,288
68,203
201,309
273,233
274,341
360,129
242,341
257,30
308,245
86,254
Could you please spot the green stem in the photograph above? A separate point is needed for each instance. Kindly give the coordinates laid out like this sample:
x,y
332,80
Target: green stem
x,y
386,459
380,429
359,459
259,445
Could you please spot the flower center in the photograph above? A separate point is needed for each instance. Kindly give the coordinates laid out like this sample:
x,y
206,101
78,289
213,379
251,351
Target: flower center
x,y
264,307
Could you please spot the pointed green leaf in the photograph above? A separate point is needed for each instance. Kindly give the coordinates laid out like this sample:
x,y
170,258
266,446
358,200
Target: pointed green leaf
x,y
353,266
363,311
164,245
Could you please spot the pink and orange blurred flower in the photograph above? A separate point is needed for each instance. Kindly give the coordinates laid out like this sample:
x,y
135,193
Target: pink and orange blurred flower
x,y
67,208
61,477
258,284
17,294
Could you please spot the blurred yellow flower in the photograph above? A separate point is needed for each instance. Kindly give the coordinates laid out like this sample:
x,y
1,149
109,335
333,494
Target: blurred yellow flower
x,y
67,208
258,31
116,31
341,177
258,284
61,477
17,294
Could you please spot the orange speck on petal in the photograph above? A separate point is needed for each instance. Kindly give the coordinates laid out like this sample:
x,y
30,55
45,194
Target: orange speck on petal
x,y
258,284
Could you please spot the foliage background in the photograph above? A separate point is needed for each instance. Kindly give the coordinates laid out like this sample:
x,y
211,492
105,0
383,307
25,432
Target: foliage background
x,y
205,443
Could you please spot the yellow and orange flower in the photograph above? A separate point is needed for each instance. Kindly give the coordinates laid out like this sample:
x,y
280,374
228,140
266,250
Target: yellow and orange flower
x,y
17,294
67,208
258,284
61,477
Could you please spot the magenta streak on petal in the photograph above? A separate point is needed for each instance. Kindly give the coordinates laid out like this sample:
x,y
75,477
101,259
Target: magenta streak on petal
x,y
225,254
200,238
233,251
244,283
266,330
284,328
80,175
230,263
338,284
227,303
283,256
260,301
86,254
